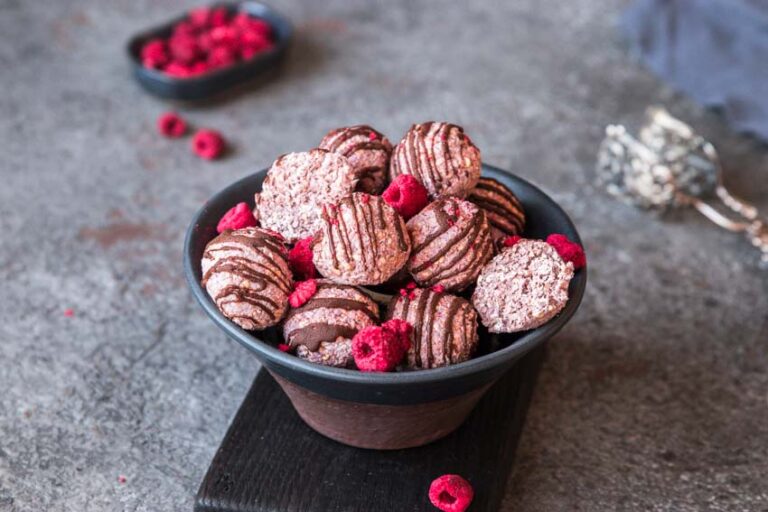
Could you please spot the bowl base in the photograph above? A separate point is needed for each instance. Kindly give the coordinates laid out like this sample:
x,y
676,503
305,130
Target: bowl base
x,y
271,461
380,427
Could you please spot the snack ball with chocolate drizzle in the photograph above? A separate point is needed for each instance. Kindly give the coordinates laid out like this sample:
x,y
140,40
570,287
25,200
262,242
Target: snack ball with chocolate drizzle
x,y
501,206
297,185
444,327
246,274
451,243
523,287
321,330
366,149
440,156
362,240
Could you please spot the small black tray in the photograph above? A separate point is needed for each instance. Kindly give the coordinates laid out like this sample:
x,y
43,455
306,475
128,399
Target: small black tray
x,y
270,461
215,82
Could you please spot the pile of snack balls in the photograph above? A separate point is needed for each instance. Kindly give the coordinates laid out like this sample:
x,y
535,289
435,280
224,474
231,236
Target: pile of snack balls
x,y
443,245
208,39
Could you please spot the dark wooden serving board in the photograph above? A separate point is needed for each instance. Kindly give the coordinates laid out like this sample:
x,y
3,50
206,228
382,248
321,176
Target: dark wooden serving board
x,y
270,461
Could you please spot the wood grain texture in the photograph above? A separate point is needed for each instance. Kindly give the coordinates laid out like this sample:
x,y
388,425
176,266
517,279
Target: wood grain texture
x,y
270,461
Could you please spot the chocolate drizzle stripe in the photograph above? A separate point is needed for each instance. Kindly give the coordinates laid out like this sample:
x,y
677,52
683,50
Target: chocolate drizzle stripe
x,y
486,201
452,267
500,209
244,268
442,223
421,305
336,138
512,213
255,240
453,309
249,296
343,232
468,232
334,303
401,235
312,335
351,203
431,309
491,185
328,230
444,132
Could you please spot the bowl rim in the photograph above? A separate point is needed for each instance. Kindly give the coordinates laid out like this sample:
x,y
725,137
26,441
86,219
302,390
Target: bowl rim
x,y
476,365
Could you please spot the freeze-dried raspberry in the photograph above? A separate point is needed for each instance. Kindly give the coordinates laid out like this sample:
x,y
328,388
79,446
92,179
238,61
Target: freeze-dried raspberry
x,y
406,195
377,349
238,217
302,292
208,144
403,331
69,312
510,241
569,251
438,288
451,493
300,260
171,124
409,291
154,54
283,347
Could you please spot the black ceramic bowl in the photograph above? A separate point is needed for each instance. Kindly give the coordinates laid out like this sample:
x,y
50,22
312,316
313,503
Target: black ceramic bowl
x,y
385,410
217,81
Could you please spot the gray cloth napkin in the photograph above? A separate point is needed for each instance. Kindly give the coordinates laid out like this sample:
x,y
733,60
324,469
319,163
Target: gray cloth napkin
x,y
716,51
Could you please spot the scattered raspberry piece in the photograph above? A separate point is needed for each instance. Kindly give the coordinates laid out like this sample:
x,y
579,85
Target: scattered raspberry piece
x,y
302,292
282,347
406,195
300,260
121,479
69,312
377,349
154,54
451,493
569,251
238,217
171,125
438,288
511,240
372,136
208,144
403,331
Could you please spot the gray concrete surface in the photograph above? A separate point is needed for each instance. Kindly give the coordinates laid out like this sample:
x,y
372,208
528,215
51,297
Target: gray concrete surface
x,y
654,398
